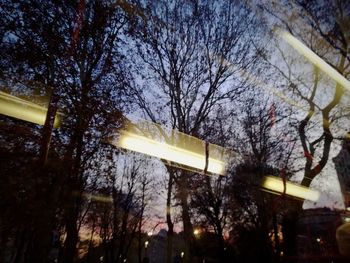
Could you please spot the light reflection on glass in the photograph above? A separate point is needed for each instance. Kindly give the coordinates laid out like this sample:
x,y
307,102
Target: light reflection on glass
x,y
275,184
314,59
176,147
24,110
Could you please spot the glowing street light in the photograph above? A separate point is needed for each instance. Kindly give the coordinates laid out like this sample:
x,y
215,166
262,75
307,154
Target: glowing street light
x,y
275,184
146,244
182,254
24,110
196,232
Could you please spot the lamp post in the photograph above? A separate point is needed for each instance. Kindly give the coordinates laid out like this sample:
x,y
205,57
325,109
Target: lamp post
x,y
146,245
145,258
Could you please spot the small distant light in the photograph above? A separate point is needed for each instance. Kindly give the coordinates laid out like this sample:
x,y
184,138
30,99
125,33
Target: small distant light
x,y
318,240
196,232
150,233
124,260
281,253
182,254
146,244
101,258
347,219
348,208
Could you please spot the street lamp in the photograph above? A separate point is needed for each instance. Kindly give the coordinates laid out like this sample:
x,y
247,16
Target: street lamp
x,y
146,245
196,232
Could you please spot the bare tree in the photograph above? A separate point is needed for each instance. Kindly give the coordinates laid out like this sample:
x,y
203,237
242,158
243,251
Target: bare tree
x,y
195,52
323,27
70,47
322,114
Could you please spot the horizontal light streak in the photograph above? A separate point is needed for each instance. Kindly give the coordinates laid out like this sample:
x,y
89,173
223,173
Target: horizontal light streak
x,y
98,198
24,110
186,150
276,184
169,152
314,59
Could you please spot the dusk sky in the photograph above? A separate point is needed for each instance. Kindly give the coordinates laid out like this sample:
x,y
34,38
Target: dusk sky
x,y
221,123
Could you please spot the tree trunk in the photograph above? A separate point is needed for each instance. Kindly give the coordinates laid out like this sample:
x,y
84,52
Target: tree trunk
x,y
276,237
48,127
222,250
186,219
140,224
74,184
170,224
289,227
20,251
71,240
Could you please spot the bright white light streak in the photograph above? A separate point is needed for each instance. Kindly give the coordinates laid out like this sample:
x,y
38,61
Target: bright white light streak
x,y
24,110
314,59
275,184
171,153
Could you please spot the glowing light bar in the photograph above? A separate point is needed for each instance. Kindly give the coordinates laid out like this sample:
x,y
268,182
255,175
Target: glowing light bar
x,y
169,152
98,198
314,59
24,110
275,184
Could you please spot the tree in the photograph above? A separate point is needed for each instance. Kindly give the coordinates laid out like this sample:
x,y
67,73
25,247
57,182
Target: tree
x,y
267,148
324,29
321,111
71,48
193,49
210,203
119,205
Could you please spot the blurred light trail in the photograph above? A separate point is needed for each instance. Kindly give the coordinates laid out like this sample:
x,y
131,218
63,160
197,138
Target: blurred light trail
x,y
314,59
98,198
276,185
151,139
24,110
152,147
